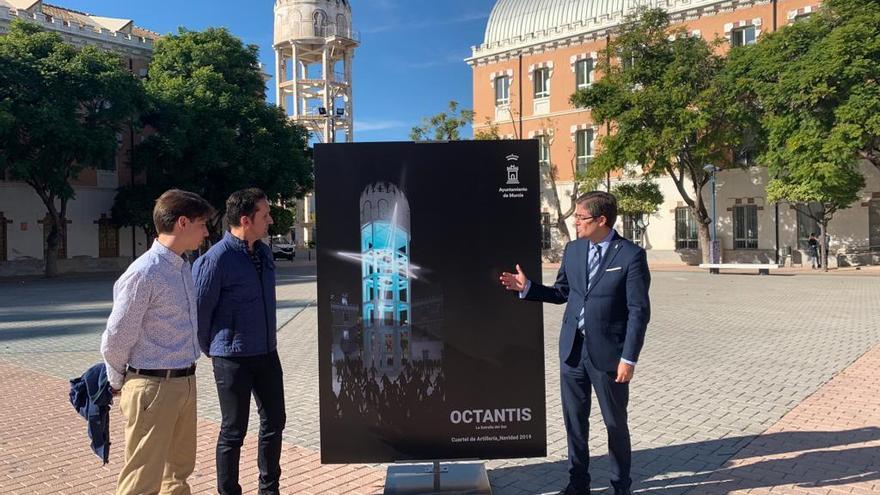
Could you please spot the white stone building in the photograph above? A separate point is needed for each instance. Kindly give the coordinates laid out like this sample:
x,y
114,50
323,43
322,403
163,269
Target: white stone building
x,y
90,243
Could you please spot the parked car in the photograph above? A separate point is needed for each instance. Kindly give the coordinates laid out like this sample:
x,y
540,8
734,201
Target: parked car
x,y
282,248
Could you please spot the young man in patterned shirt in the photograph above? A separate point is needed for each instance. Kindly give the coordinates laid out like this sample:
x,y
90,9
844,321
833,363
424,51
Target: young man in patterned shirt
x,y
150,348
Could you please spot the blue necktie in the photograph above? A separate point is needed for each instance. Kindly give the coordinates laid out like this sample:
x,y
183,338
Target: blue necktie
x,y
592,271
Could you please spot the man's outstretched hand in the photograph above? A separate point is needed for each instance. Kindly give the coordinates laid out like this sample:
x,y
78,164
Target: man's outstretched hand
x,y
514,281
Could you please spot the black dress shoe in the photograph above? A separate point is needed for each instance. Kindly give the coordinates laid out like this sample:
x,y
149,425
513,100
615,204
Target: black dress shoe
x,y
571,490
623,491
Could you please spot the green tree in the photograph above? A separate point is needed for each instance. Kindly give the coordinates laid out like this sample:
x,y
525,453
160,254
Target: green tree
x,y
214,131
662,102
133,207
60,110
283,218
816,86
550,171
445,126
834,188
490,133
638,198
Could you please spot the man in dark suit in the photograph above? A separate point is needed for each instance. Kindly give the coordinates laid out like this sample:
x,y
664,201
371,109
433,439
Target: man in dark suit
x,y
604,281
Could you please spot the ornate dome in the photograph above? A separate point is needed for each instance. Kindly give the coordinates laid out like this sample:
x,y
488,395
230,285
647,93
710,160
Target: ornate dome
x,y
519,23
520,18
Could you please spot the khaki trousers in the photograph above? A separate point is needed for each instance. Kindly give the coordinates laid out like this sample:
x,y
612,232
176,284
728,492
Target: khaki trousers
x,y
160,435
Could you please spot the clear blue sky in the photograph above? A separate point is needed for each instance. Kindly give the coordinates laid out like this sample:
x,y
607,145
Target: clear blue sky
x,y
409,65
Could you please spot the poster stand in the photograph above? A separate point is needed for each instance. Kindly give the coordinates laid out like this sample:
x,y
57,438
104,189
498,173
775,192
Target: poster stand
x,y
437,479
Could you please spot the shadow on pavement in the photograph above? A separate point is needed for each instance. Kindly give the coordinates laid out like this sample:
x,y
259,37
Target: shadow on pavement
x,y
668,470
52,331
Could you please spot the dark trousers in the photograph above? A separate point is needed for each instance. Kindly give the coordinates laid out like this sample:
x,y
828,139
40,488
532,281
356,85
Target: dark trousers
x,y
577,376
237,378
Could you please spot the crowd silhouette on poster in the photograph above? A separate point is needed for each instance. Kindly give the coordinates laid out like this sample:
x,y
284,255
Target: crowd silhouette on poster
x,y
367,393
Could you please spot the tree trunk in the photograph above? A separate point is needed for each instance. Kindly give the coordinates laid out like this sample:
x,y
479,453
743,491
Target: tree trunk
x,y
823,246
53,240
563,227
872,154
697,206
560,216
705,241
57,224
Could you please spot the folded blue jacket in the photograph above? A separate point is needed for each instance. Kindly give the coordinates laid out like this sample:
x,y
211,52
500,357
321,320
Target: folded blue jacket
x,y
90,395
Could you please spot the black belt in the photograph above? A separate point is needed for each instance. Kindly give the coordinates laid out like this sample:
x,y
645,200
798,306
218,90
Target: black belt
x,y
173,373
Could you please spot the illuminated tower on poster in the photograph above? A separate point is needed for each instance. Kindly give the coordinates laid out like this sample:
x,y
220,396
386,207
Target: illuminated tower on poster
x,y
385,275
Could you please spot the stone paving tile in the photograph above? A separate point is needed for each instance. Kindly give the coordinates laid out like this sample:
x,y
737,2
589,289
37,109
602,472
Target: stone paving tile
x,y
829,443
726,357
44,449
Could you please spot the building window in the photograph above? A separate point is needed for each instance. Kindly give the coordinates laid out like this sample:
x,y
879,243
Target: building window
x,y
108,238
541,78
583,70
502,90
341,26
583,140
544,152
801,17
62,245
745,227
743,36
685,229
319,20
806,224
873,225
546,240
3,241
633,228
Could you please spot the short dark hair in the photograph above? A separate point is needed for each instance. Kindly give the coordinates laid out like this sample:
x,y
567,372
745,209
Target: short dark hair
x,y
600,204
176,203
243,203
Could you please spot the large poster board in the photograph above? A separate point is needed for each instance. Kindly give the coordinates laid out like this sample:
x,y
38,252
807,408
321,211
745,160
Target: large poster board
x,y
422,354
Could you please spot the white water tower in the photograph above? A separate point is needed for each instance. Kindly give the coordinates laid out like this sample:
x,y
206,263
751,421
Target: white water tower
x,y
314,47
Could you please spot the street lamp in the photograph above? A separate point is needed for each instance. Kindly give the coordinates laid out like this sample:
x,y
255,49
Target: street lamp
x,y
713,249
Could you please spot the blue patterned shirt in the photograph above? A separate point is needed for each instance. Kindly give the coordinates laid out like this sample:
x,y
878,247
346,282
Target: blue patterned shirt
x,y
154,323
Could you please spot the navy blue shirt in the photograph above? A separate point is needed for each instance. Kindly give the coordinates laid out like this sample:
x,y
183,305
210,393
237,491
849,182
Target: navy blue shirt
x,y
236,299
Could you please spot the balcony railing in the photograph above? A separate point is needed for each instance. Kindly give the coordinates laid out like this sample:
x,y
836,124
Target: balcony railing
x,y
306,29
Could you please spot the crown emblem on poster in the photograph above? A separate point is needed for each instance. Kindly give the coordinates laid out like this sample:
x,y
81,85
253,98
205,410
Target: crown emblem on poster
x,y
512,169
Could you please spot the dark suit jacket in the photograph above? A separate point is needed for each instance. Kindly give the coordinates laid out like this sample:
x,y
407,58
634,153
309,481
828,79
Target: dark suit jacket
x,y
617,307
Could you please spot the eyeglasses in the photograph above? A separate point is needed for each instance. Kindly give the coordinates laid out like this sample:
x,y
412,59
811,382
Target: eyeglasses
x,y
582,218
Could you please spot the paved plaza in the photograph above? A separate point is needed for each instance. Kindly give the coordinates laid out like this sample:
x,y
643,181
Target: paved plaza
x,y
747,384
